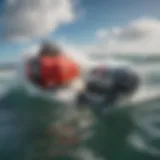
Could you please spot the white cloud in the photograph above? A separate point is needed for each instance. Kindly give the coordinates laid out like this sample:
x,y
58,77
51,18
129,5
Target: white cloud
x,y
102,33
141,36
25,19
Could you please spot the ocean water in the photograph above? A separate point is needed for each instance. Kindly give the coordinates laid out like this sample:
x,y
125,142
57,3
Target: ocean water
x,y
34,128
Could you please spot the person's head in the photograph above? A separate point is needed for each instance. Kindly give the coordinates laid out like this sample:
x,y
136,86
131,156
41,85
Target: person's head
x,y
50,49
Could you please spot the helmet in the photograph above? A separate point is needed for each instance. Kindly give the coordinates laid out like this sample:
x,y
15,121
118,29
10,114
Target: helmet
x,y
48,48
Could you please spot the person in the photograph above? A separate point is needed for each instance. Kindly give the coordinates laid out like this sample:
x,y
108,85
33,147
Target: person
x,y
106,86
51,69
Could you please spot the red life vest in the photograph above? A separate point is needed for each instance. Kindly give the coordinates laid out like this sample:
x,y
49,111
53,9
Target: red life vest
x,y
55,71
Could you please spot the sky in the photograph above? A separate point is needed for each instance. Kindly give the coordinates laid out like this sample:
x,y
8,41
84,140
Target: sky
x,y
114,26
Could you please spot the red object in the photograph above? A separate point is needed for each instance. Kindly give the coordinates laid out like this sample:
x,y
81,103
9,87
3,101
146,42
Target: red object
x,y
56,71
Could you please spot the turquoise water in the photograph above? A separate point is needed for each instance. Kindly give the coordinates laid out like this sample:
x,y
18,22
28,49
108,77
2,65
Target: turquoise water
x,y
27,131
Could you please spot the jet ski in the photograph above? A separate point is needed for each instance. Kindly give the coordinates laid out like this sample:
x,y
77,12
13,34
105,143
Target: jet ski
x,y
107,86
